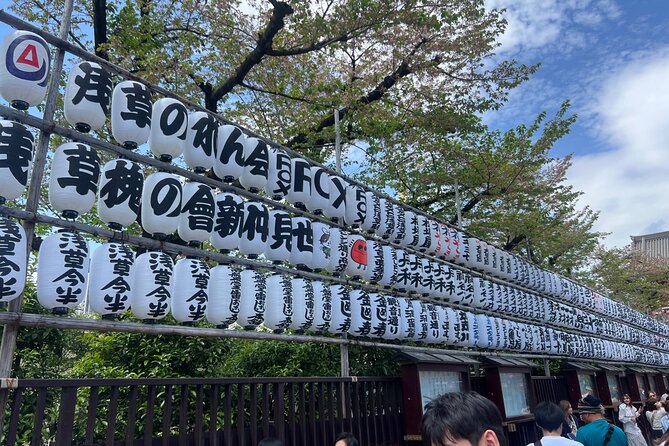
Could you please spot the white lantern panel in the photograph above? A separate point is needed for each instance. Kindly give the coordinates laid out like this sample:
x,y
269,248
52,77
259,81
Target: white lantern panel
x,y
278,302
278,175
62,271
227,221
320,190
394,318
110,279
16,150
375,264
302,250
372,218
13,260
399,225
322,246
379,315
357,256
300,189
336,246
229,160
322,307
25,69
341,309
201,136
151,286
411,230
361,313
256,163
356,205
167,138
336,208
131,114
280,238
161,204
190,291
389,276
120,193
73,184
87,95
422,319
224,295
387,224
252,301
196,222
303,304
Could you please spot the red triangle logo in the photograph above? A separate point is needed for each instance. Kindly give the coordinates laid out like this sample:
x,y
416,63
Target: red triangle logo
x,y
29,56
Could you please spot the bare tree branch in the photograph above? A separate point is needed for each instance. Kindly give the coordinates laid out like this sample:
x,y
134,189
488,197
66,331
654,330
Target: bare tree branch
x,y
320,44
277,93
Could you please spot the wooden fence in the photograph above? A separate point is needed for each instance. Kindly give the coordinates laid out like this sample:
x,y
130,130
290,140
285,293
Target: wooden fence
x,y
225,412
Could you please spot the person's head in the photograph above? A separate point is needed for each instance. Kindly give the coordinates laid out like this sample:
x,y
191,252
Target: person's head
x,y
462,419
549,417
626,399
652,394
346,439
270,441
658,405
566,408
590,409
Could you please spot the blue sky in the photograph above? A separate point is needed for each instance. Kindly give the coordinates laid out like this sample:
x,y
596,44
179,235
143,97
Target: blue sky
x,y
611,59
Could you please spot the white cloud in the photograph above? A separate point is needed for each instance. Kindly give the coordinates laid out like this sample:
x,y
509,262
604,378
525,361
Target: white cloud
x,y
550,25
630,183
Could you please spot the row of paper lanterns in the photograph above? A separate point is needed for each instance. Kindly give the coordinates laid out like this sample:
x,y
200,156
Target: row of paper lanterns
x,y
234,156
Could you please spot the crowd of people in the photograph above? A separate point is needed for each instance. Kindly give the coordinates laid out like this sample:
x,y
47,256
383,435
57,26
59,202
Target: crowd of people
x,y
469,419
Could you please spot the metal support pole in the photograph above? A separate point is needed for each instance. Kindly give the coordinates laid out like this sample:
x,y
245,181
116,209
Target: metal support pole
x,y
10,331
547,368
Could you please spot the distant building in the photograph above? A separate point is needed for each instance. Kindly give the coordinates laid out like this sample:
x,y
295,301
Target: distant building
x,y
652,245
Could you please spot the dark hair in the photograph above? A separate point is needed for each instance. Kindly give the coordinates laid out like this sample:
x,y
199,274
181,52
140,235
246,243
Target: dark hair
x,y
349,438
565,406
271,441
548,416
455,416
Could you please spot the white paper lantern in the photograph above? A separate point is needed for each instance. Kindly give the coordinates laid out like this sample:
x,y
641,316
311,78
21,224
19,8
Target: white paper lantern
x,y
151,286
389,276
372,218
252,301
131,114
387,224
278,302
62,271
361,313
411,230
341,309
403,277
394,318
25,69
120,193
422,320
167,138
16,150
302,249
424,233
13,260
87,95
161,204
415,273
227,221
224,295
356,205
75,172
336,208
320,190
322,250
190,291
457,246
322,307
303,304
356,256
399,223
196,222
201,136
278,175
110,279
338,250
375,263
485,338
379,315
300,188
254,229
280,238
408,325
256,162
229,159
433,324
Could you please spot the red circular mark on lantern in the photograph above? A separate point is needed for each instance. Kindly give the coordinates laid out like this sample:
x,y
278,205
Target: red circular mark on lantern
x,y
359,252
